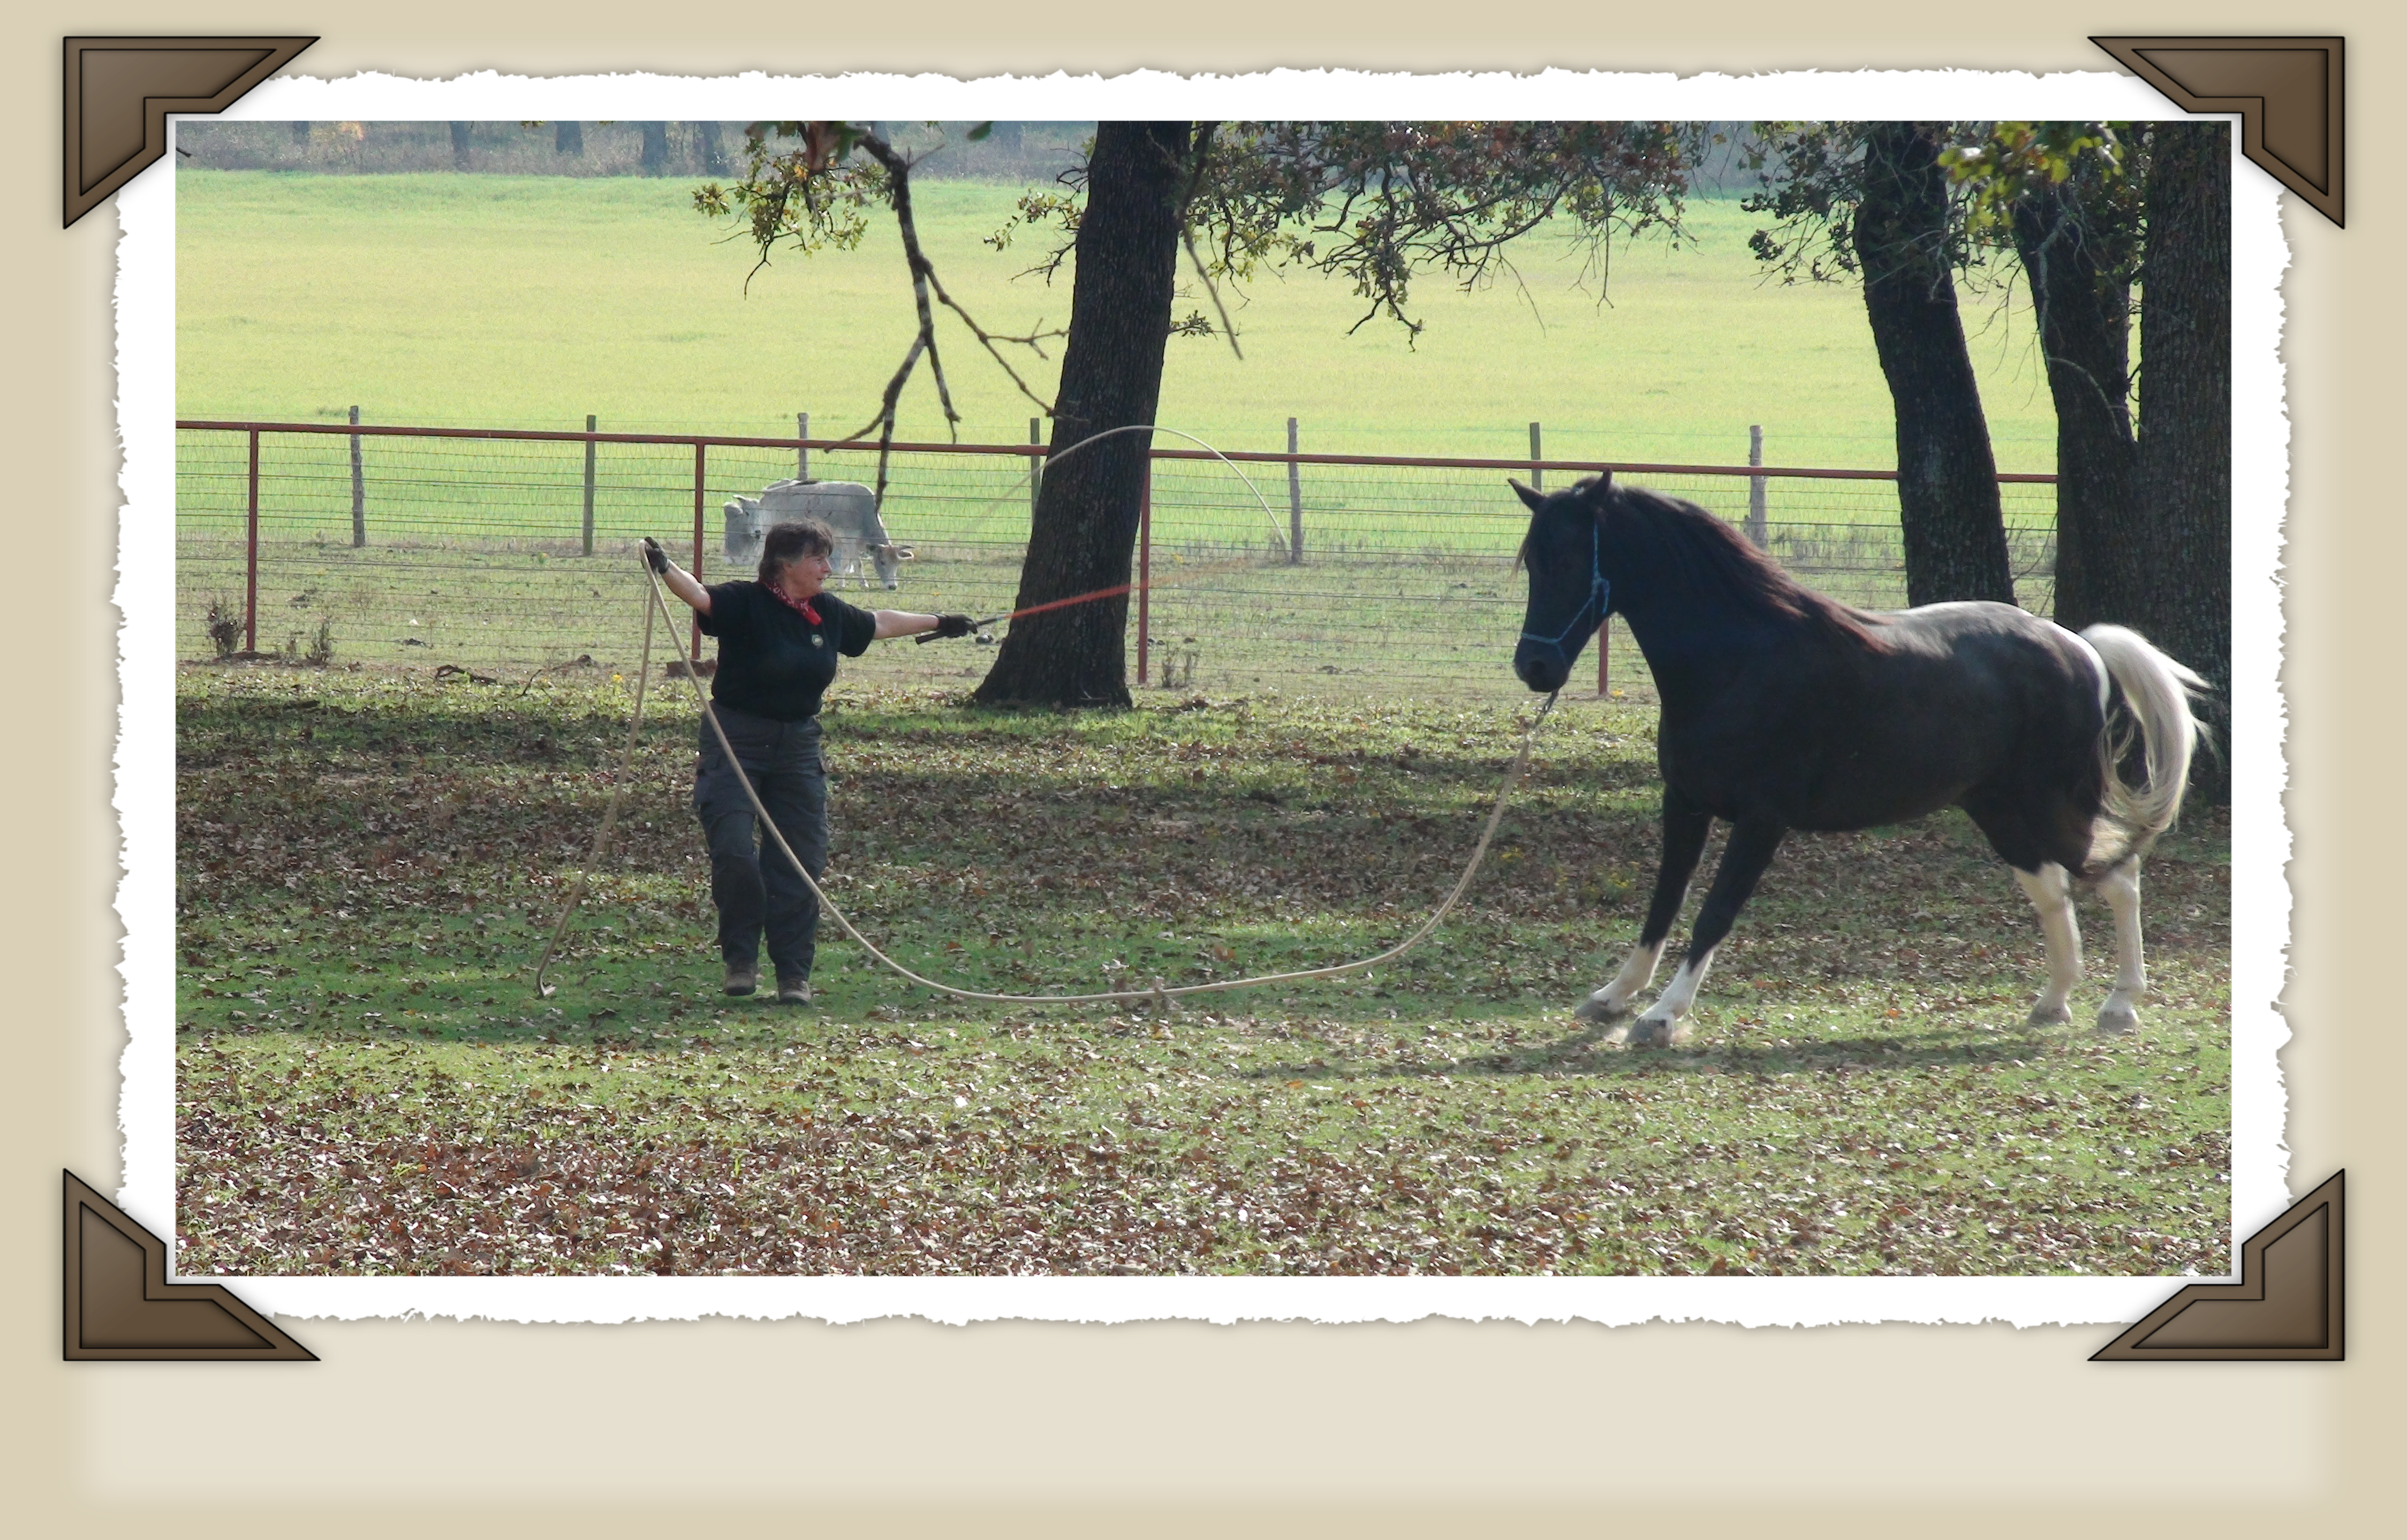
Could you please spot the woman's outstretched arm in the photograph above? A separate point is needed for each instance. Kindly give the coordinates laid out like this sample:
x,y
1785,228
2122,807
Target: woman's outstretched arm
x,y
680,582
903,622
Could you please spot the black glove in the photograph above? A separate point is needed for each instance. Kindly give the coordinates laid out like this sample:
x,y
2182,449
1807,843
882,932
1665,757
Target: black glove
x,y
654,557
954,625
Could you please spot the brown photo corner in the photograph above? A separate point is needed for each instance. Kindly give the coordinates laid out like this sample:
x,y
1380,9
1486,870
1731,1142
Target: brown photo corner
x,y
118,1300
120,1305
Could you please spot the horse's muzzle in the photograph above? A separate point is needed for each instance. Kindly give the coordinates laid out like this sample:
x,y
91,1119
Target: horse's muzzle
x,y
1542,667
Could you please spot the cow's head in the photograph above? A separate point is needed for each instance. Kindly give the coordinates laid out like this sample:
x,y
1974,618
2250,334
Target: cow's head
x,y
890,560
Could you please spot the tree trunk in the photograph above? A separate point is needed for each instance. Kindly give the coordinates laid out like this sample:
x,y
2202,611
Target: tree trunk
x,y
2076,263
459,147
568,140
714,159
1083,534
2180,600
1947,480
656,148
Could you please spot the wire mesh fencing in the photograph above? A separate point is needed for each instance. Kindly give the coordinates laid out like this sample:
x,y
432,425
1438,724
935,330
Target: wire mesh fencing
x,y
516,551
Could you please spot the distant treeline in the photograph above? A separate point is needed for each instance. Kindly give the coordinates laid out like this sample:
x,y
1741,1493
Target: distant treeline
x,y
1012,152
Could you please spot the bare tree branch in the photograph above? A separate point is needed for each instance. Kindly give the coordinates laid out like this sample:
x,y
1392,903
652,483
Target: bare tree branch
x,y
884,420
1198,156
811,196
924,284
898,179
1228,328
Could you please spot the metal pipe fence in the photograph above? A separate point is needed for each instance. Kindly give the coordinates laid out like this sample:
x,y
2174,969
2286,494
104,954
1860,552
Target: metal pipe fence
x,y
515,550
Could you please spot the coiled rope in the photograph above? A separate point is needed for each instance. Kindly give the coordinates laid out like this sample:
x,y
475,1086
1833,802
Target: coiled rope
x,y
610,812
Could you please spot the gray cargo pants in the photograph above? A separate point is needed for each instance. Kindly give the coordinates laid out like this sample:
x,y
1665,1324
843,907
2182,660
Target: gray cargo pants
x,y
752,883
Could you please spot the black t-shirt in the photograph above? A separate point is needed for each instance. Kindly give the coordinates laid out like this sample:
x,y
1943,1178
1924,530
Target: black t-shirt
x,y
773,662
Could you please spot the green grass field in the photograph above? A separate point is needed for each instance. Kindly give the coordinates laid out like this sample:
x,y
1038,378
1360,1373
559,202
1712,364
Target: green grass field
x,y
368,865
534,301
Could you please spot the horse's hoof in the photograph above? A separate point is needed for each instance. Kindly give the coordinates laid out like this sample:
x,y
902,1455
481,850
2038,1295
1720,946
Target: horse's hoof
x,y
1596,1007
2117,1019
1656,1033
2049,1016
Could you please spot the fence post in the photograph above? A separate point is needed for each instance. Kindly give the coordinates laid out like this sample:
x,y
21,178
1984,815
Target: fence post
x,y
1144,569
1035,465
590,420
699,449
1294,502
1537,476
1758,526
251,563
802,454
359,491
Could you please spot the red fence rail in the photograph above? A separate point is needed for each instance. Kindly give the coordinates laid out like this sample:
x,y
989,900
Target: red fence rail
x,y
1039,451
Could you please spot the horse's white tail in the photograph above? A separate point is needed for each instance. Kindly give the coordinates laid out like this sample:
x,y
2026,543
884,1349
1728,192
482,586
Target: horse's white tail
x,y
2156,694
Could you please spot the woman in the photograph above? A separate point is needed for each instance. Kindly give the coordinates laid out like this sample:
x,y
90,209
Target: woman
x,y
778,638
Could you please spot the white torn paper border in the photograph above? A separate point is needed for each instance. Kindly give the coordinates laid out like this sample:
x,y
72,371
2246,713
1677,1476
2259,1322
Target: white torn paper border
x,y
146,749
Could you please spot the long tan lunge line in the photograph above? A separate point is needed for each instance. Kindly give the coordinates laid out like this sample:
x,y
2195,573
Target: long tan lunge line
x,y
1157,992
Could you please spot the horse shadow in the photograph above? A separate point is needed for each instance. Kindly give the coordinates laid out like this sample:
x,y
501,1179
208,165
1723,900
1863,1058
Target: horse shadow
x,y
1585,1054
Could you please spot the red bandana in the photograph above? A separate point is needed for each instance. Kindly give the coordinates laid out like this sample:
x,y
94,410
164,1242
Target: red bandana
x,y
802,606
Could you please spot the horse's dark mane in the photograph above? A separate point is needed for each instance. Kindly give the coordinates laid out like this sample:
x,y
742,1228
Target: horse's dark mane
x,y
1708,554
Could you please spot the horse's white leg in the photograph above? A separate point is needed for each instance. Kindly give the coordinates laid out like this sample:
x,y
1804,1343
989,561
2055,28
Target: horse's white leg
x,y
1614,1000
1685,827
1663,1025
1744,861
2121,888
2051,895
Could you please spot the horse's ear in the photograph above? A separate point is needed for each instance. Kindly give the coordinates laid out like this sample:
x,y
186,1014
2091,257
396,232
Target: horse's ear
x,y
1536,499
1598,487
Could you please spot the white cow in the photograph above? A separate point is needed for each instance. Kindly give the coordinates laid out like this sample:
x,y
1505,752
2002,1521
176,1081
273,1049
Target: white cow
x,y
847,508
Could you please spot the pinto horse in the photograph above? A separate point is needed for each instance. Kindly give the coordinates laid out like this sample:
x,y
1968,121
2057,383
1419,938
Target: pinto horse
x,y
1782,709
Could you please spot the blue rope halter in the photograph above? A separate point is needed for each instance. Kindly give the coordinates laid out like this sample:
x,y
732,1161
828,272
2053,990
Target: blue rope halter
x,y
1599,599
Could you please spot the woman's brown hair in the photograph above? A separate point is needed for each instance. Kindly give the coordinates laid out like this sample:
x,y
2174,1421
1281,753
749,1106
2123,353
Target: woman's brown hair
x,y
786,541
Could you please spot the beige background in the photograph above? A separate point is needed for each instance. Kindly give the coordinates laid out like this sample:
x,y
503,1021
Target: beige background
x,y
674,1428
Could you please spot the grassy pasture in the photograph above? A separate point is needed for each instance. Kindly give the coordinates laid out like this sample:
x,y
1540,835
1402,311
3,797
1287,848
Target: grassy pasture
x,y
368,862
531,302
